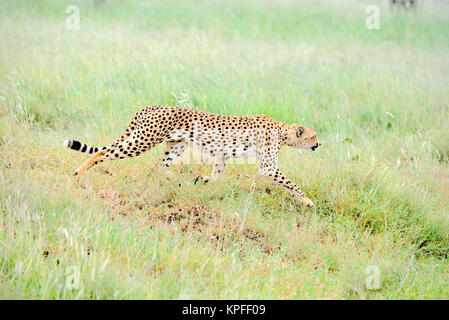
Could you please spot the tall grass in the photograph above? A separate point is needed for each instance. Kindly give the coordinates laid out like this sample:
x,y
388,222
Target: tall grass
x,y
378,99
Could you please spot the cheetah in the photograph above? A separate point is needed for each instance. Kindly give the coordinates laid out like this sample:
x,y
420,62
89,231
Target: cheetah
x,y
220,136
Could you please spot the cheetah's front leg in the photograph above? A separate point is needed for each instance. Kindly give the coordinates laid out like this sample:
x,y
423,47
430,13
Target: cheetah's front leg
x,y
280,178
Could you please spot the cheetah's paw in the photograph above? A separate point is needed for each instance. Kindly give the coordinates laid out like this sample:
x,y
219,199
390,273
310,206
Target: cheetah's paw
x,y
308,203
200,179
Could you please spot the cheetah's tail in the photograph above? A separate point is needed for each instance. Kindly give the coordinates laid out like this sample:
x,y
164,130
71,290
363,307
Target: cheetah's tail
x,y
79,146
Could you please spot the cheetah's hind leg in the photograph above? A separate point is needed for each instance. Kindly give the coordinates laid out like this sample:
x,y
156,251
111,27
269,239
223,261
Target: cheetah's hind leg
x,y
173,150
218,168
89,163
119,150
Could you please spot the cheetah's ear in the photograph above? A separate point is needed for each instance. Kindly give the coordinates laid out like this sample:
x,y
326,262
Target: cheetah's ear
x,y
300,132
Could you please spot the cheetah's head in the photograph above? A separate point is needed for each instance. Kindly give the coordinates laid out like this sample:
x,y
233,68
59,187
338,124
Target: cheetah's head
x,y
302,137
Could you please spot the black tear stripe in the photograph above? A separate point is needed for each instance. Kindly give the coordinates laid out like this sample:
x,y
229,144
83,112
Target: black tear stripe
x,y
76,145
84,148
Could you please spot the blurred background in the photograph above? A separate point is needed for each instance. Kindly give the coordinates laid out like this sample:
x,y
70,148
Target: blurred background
x,y
371,77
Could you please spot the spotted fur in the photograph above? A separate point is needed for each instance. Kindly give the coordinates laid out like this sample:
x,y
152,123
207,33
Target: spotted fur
x,y
221,137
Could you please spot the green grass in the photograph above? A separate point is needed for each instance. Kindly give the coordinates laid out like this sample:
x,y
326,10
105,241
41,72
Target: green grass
x,y
377,98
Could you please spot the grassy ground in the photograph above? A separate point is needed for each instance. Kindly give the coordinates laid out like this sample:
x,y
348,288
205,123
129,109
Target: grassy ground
x,y
378,99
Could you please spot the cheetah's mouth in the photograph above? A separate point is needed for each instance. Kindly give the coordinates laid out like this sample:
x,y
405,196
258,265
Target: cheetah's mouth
x,y
314,148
